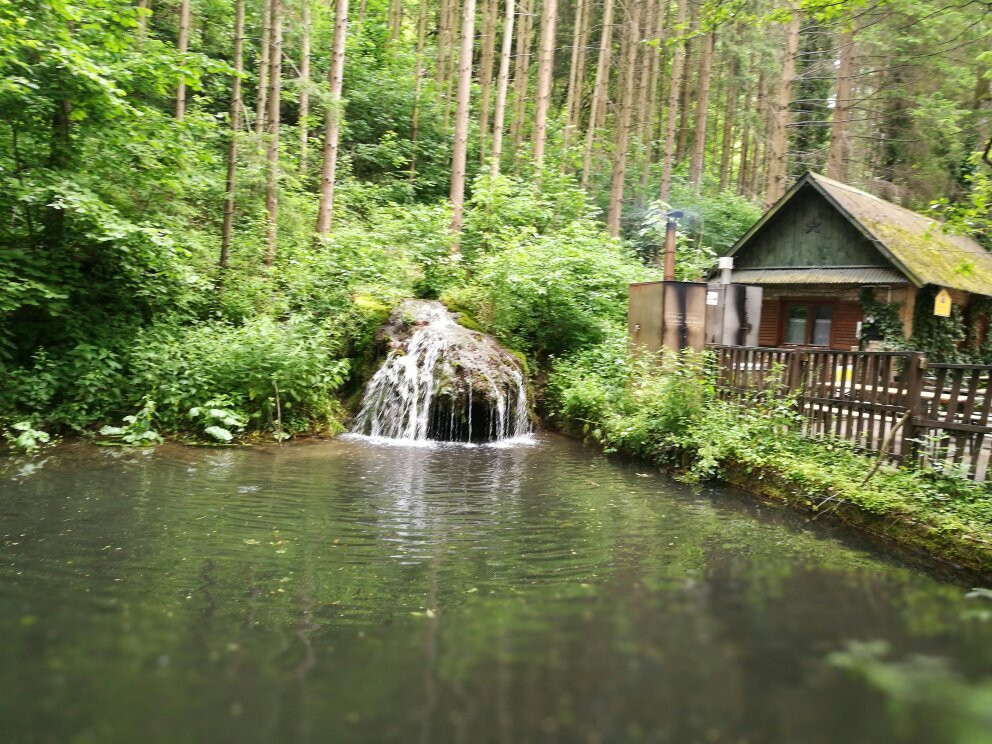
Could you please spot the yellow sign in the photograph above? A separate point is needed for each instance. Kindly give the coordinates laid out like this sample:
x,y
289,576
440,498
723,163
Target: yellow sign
x,y
942,304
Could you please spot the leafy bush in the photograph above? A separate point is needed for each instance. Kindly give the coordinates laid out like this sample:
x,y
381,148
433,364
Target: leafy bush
x,y
646,406
137,428
23,436
550,293
248,371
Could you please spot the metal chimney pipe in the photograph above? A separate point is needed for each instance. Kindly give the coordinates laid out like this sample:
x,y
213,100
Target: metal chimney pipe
x,y
670,249
726,266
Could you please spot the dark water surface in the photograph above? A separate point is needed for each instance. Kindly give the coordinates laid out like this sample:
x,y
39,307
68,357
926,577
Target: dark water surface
x,y
345,591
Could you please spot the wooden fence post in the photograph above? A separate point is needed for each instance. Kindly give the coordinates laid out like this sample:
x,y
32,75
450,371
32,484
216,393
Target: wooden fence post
x,y
916,367
793,377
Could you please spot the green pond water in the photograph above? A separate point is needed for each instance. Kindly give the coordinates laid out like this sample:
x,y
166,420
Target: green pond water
x,y
346,591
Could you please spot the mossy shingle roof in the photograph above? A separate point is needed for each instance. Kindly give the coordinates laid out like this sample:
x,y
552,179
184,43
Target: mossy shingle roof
x,y
915,244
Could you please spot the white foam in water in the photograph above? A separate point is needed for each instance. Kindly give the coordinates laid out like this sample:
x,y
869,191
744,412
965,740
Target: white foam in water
x,y
427,388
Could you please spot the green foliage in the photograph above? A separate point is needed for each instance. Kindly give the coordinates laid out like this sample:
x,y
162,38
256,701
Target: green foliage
x,y
239,371
710,225
645,406
972,214
939,338
137,428
881,321
23,436
551,293
545,278
665,410
218,419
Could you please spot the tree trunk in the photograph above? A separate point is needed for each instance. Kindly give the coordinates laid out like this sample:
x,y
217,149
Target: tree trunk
x,y
742,164
452,63
464,92
325,210
702,112
417,84
59,158
623,121
272,146
183,46
443,44
142,20
521,75
227,229
778,135
395,20
729,121
304,85
644,55
598,102
261,103
490,12
502,83
687,93
576,72
840,148
648,133
545,67
672,116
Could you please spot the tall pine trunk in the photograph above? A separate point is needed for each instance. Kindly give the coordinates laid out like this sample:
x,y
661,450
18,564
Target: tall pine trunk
x,y
672,115
261,102
443,44
502,83
682,143
417,84
778,134
490,14
840,147
521,75
227,228
729,122
623,121
304,85
648,133
272,146
463,94
325,209
545,66
702,112
599,90
183,46
576,71
452,63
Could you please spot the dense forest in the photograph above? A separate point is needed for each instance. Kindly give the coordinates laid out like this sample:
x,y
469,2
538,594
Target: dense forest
x,y
210,205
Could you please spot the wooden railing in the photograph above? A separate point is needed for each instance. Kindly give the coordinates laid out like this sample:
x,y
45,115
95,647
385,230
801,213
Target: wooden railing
x,y
917,412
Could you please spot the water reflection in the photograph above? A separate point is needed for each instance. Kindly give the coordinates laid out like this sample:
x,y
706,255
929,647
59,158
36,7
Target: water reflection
x,y
355,592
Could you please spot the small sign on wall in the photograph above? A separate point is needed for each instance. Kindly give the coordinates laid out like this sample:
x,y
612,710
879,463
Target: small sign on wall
x,y
942,304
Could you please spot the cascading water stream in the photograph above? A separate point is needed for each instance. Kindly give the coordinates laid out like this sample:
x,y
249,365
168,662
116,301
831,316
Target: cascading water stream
x,y
444,383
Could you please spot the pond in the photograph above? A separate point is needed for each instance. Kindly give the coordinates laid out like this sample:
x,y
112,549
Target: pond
x,y
353,591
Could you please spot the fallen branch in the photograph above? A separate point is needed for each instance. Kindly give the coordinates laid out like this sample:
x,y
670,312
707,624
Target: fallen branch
x,y
886,443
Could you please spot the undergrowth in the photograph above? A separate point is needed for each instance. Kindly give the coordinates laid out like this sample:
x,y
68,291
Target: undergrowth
x,y
666,410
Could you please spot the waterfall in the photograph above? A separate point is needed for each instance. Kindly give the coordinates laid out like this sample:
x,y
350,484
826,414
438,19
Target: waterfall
x,y
443,382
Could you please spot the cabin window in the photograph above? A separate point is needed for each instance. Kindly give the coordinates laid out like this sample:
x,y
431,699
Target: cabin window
x,y
808,323
796,319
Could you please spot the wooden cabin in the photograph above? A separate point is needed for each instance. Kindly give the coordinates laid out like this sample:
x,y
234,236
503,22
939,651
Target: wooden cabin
x,y
824,242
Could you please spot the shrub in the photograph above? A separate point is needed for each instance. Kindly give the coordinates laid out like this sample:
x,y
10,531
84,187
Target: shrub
x,y
552,293
257,372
